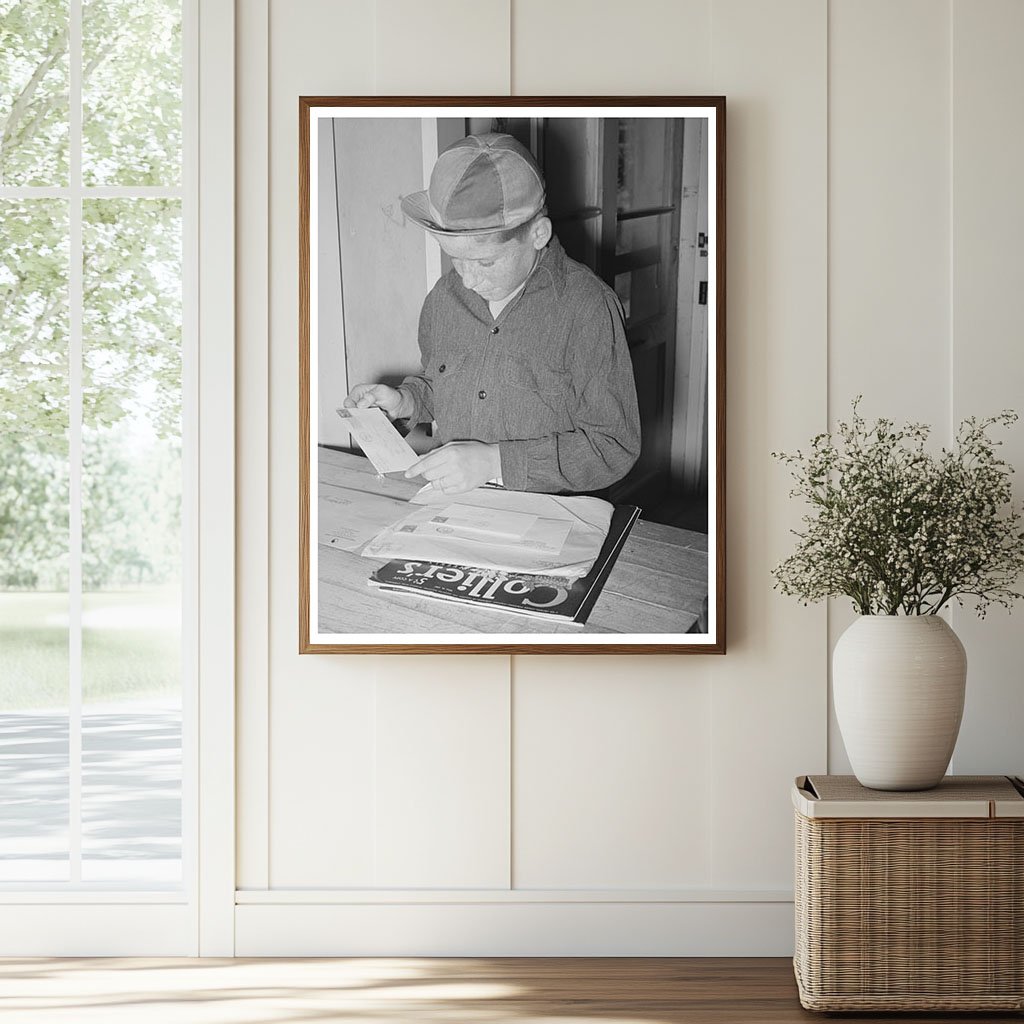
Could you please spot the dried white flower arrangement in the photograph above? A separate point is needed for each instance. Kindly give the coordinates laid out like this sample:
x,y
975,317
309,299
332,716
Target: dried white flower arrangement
x,y
900,530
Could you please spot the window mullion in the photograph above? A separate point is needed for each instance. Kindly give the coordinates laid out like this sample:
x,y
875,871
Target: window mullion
x,y
75,332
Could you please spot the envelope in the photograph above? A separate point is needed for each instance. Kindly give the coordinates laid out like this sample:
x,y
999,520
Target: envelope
x,y
564,541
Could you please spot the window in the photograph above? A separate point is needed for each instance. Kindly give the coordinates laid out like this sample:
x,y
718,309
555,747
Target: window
x,y
95,463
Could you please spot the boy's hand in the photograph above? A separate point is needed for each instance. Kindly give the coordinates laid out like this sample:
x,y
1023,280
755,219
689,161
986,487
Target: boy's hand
x,y
397,404
458,466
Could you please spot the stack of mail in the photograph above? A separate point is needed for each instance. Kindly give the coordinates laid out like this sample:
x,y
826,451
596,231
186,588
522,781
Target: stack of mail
x,y
491,528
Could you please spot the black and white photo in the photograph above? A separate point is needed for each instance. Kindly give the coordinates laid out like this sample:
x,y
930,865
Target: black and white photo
x,y
512,375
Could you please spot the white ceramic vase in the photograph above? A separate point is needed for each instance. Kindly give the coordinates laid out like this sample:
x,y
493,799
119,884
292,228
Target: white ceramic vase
x,y
898,684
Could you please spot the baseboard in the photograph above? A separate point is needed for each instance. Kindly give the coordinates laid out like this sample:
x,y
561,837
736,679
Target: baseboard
x,y
96,929
521,928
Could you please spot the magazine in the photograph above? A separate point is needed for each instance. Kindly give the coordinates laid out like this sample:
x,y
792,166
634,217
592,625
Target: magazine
x,y
540,596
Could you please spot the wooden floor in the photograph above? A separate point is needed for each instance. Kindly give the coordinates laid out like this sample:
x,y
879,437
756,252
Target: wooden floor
x,y
382,991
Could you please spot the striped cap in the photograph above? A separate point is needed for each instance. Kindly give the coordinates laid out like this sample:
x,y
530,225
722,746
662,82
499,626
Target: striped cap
x,y
479,185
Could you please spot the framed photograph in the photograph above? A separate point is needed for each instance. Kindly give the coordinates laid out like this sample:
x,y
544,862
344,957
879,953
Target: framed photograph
x,y
512,375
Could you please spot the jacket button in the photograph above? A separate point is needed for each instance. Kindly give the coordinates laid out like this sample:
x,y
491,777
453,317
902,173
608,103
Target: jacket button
x,y
494,329
482,395
440,369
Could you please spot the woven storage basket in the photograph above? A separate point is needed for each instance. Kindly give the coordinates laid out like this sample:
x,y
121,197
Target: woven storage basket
x,y
910,901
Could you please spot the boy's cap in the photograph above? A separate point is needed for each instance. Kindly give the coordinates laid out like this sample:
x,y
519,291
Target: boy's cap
x,y
480,184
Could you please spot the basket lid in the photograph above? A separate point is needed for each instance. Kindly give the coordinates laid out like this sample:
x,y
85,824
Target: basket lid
x,y
957,796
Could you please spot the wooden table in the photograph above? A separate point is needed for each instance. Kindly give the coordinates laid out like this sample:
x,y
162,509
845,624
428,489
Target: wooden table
x,y
658,584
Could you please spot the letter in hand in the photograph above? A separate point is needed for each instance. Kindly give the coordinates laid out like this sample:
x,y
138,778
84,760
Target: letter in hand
x,y
458,466
390,400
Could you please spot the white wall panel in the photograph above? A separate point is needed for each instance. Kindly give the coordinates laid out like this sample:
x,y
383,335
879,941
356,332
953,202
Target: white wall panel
x,y
606,48
387,771
988,339
252,196
612,780
324,729
442,771
443,722
889,248
322,815
889,209
769,692
442,48
776,118
320,722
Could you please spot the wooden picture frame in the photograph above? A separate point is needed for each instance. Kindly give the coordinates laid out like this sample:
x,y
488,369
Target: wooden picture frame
x,y
636,192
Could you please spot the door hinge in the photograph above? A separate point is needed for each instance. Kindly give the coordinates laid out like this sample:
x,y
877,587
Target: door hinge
x,y
702,294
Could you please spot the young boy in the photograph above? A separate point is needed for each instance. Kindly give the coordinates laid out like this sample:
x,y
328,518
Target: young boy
x,y
525,364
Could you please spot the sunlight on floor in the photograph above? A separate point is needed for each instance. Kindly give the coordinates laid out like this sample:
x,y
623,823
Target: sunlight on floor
x,y
218,991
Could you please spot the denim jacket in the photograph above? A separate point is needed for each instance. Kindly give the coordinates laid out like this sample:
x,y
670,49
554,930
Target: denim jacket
x,y
550,380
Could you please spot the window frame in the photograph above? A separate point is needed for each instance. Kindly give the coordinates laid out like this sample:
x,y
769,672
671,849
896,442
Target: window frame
x,y
69,918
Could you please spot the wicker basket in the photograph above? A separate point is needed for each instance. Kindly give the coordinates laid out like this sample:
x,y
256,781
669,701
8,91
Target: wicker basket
x,y
910,901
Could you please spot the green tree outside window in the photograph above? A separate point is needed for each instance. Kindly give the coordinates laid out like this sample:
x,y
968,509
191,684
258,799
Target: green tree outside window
x,y
131,314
